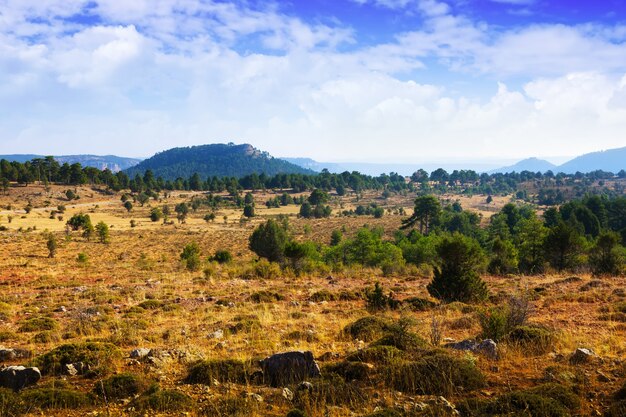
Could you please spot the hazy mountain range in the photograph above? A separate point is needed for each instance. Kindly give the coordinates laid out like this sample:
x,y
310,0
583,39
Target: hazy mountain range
x,y
112,162
239,160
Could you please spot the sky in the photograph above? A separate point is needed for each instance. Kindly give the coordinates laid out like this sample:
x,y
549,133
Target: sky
x,y
333,80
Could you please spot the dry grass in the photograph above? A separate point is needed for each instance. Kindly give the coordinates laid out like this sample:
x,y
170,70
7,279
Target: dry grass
x,y
101,299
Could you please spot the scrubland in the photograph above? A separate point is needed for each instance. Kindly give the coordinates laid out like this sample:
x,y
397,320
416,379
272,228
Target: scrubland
x,y
134,292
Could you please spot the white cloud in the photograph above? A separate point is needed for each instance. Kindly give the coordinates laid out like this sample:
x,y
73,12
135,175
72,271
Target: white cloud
x,y
162,73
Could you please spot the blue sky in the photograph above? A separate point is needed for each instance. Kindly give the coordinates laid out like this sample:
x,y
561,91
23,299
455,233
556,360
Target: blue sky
x,y
378,80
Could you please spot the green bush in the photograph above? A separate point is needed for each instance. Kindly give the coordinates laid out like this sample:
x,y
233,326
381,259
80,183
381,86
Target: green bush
x,y
435,373
150,304
38,324
366,328
547,400
190,256
164,401
56,398
222,370
98,356
350,371
323,295
222,257
376,354
245,324
536,339
419,304
265,297
120,386
377,300
456,278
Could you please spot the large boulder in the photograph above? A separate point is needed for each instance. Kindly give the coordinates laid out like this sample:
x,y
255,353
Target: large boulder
x,y
487,347
18,377
289,367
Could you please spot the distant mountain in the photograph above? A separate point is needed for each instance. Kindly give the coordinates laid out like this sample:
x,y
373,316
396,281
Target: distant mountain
x,y
529,164
218,159
112,162
612,160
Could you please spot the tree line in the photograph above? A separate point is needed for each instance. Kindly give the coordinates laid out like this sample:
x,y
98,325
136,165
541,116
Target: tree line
x,y
553,188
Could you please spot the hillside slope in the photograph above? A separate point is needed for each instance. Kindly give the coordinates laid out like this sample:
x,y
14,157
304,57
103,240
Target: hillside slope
x,y
528,164
612,160
215,160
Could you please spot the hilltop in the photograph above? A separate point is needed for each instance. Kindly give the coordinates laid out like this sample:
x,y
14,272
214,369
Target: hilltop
x,y
221,160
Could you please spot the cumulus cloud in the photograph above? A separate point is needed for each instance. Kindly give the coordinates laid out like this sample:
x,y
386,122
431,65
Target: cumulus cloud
x,y
144,76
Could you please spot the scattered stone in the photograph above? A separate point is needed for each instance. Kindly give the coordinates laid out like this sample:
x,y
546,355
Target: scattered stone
x,y
19,377
487,347
305,386
287,394
289,367
218,334
253,396
139,353
582,355
61,309
73,369
7,355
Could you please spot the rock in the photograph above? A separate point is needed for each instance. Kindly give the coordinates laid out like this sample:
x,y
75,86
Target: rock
x,y
287,394
253,396
289,367
305,386
7,355
487,347
139,353
581,355
218,334
19,377
61,309
73,369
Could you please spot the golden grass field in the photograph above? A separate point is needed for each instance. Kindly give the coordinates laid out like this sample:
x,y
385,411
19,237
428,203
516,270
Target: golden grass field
x,y
142,263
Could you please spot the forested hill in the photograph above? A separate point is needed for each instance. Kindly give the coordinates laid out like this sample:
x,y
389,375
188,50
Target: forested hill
x,y
221,160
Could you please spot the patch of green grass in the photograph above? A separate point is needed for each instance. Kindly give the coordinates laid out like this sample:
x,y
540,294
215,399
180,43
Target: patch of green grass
x,y
38,324
56,398
533,339
120,386
420,304
222,370
96,355
366,328
164,401
350,371
376,355
265,297
150,304
435,373
245,324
